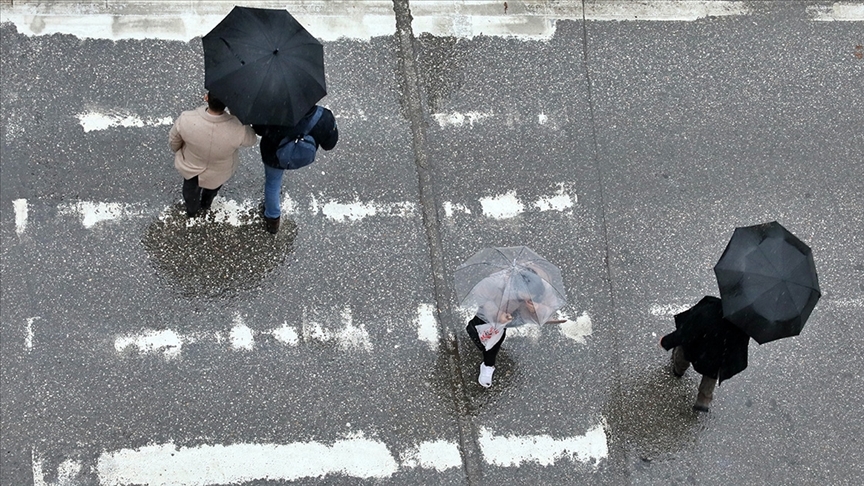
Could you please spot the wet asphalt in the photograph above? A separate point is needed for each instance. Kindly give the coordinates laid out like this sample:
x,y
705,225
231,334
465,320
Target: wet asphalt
x,y
668,134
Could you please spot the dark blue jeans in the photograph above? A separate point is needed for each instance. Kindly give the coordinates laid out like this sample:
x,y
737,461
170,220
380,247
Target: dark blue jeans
x,y
272,190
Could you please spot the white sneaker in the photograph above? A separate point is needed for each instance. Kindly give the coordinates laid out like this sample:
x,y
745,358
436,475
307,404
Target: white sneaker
x,y
485,378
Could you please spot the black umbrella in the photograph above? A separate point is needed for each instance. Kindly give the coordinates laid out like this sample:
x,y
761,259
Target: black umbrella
x,y
264,66
767,282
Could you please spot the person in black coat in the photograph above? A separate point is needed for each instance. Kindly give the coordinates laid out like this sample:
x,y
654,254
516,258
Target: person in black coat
x,y
326,134
716,347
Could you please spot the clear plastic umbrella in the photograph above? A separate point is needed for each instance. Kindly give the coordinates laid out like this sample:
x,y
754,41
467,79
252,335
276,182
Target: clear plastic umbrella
x,y
509,287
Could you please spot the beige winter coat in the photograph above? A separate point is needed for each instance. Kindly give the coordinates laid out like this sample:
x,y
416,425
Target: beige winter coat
x,y
206,145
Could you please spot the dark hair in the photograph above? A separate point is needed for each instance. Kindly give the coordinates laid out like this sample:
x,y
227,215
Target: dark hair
x,y
215,104
532,283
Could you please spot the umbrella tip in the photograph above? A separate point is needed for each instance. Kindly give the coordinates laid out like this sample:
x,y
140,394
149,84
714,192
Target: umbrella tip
x,y
275,51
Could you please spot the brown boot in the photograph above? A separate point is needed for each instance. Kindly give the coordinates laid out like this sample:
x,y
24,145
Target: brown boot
x,y
272,225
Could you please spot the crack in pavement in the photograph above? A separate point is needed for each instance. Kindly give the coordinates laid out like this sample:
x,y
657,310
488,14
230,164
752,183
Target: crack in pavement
x,y
413,109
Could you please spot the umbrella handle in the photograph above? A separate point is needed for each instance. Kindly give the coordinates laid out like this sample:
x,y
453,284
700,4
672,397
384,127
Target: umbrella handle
x,y
556,321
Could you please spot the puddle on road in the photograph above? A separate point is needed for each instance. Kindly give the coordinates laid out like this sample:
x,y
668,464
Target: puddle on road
x,y
212,255
653,413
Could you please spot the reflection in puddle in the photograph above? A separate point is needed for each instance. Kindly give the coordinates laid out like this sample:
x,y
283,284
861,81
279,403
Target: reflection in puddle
x,y
212,255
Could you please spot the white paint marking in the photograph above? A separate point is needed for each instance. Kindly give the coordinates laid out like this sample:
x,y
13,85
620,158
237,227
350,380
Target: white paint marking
x,y
166,341
439,455
577,330
663,10
38,474
427,325
92,121
351,336
347,212
667,309
451,208
502,207
457,119
225,211
513,450
286,335
241,335
846,11
558,202
313,331
92,213
167,464
68,472
330,21
542,119
287,204
28,335
21,208
530,331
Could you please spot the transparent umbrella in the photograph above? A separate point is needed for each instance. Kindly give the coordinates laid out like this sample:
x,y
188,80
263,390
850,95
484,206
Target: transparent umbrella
x,y
511,286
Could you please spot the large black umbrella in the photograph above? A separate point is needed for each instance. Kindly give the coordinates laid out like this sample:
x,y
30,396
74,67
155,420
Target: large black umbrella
x,y
264,66
767,282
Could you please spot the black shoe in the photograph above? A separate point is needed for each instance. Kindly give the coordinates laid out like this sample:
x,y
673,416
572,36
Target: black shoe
x,y
700,408
272,225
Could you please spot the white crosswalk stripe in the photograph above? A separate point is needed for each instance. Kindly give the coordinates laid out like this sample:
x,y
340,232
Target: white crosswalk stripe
x,y
355,455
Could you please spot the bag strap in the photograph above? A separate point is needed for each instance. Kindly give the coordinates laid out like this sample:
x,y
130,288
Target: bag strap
x,y
313,121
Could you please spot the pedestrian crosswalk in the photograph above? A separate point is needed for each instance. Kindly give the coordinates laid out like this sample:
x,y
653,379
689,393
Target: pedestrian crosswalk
x,y
357,455
240,212
314,327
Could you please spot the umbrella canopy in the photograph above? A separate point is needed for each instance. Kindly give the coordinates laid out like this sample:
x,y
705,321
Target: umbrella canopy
x,y
767,282
510,286
264,66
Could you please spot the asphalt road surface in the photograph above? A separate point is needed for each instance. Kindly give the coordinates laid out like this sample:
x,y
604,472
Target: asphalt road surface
x,y
624,142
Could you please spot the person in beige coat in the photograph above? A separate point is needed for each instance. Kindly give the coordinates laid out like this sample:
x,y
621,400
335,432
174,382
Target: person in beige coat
x,y
205,143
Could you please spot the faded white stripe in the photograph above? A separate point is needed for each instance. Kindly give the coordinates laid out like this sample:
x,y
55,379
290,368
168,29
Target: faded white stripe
x,y
437,454
166,342
459,119
355,211
502,207
662,11
241,335
28,332
667,309
560,201
21,209
333,20
515,450
577,330
427,325
167,464
92,120
92,212
841,12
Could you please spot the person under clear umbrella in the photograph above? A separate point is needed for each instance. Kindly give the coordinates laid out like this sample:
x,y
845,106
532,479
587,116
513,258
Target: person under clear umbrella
x,y
509,306
716,347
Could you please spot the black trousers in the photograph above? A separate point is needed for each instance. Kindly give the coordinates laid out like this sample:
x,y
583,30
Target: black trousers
x,y
489,355
197,198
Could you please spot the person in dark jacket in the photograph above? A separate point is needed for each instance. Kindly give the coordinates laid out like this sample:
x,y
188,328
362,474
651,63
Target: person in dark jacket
x,y
716,347
325,133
